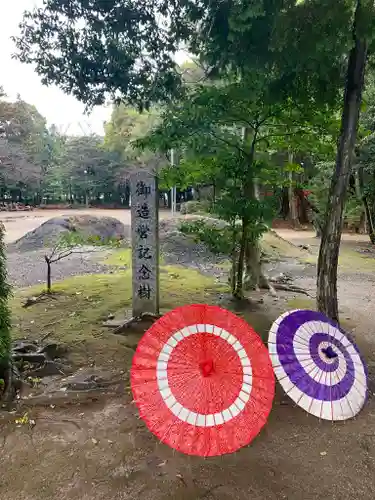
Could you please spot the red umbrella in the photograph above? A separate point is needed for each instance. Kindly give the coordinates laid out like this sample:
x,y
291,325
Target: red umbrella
x,y
202,380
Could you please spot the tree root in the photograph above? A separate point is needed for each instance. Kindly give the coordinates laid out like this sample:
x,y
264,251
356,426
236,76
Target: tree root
x,y
291,288
30,301
135,319
30,357
27,361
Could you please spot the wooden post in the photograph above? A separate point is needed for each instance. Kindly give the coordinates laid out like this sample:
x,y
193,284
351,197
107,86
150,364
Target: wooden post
x,y
145,243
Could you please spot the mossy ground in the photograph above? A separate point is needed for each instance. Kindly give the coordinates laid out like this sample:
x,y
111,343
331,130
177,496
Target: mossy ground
x,y
75,314
277,247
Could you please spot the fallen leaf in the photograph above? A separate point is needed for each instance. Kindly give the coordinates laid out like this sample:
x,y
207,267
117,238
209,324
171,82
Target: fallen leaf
x,y
162,465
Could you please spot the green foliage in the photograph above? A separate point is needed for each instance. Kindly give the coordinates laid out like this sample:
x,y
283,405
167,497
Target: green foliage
x,y
219,240
247,37
353,211
126,125
320,186
74,241
102,48
86,169
5,321
23,138
224,133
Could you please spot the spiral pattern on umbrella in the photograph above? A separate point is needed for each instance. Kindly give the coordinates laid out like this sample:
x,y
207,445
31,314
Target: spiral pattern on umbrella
x,y
317,365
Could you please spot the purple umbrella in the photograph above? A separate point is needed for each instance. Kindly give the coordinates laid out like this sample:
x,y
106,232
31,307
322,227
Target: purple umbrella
x,y
318,367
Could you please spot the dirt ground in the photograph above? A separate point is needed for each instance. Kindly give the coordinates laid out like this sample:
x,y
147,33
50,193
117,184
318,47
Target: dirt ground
x,y
101,451
92,446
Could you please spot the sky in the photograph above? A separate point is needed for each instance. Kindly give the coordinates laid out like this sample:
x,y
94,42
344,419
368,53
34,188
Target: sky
x,y
17,78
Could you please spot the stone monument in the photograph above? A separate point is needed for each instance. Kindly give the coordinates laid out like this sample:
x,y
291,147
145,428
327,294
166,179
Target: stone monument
x,y
145,243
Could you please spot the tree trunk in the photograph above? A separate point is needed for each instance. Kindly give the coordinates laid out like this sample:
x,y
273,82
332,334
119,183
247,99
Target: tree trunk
x,y
369,224
293,213
254,276
330,244
49,275
238,294
232,275
304,206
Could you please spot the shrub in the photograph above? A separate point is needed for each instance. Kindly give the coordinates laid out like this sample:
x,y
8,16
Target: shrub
x,y
193,207
217,237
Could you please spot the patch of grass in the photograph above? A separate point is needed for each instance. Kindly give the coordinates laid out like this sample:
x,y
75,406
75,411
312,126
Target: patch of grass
x,y
122,258
119,258
349,260
355,261
302,303
75,315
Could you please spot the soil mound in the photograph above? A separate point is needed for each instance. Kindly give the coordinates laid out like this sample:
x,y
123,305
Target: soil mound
x,y
47,233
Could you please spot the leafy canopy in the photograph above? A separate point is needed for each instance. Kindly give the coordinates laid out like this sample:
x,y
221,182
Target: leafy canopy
x,y
95,49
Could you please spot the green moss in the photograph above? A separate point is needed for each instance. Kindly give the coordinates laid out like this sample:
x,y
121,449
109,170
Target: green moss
x,y
277,247
302,303
122,258
119,258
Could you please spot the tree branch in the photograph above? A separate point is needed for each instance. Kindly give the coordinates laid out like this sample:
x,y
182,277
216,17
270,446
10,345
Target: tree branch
x,y
231,144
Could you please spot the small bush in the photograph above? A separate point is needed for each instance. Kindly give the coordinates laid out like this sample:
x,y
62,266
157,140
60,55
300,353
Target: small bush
x,y
193,207
217,239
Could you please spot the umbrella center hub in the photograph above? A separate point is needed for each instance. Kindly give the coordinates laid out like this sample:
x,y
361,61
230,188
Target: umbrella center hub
x,y
329,352
206,367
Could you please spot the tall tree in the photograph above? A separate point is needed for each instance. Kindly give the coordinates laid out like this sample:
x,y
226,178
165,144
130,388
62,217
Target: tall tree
x,y
87,171
125,126
22,132
362,27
